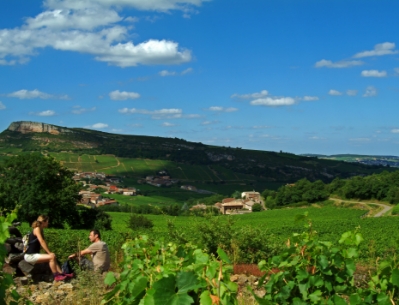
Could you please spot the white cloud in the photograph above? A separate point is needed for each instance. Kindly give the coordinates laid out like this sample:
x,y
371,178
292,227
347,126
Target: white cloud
x,y
386,48
308,98
396,130
136,125
396,71
351,92
80,110
171,113
173,73
273,101
131,19
166,73
97,126
316,138
188,70
167,124
44,113
370,91
334,92
222,109
93,27
149,5
2,106
26,94
123,95
209,122
373,73
339,64
255,95
359,139
260,127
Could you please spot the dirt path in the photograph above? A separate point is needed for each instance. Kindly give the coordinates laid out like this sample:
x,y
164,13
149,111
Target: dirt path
x,y
385,208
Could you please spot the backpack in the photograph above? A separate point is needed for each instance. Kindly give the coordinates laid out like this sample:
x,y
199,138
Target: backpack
x,y
26,242
67,268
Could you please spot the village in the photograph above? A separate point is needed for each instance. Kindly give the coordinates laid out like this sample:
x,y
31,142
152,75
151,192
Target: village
x,y
91,193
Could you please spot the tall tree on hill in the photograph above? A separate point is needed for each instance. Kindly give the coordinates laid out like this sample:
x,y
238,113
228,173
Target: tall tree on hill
x,y
39,185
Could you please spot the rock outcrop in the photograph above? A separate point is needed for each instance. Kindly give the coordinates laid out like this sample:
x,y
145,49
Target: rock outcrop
x,y
28,127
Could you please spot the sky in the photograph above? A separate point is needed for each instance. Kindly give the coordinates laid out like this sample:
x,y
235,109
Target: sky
x,y
303,76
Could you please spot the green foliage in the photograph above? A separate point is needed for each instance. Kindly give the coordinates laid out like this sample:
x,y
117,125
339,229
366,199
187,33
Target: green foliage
x,y
40,185
310,271
257,207
395,210
302,190
8,295
92,218
136,222
169,274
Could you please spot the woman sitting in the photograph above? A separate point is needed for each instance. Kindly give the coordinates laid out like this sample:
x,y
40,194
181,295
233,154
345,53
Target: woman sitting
x,y
36,240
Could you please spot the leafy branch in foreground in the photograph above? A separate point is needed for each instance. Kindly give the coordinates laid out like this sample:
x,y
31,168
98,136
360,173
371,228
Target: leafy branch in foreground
x,y
155,273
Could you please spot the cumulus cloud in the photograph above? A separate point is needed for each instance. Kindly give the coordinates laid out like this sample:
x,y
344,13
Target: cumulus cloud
x,y
273,101
173,73
80,110
43,113
385,48
153,5
26,94
370,91
359,140
188,70
308,98
339,64
222,109
260,127
204,123
166,73
167,124
334,92
396,130
97,126
373,73
123,95
93,27
351,92
172,113
255,95
2,106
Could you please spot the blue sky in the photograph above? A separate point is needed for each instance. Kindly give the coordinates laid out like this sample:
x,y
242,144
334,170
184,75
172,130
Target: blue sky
x,y
297,76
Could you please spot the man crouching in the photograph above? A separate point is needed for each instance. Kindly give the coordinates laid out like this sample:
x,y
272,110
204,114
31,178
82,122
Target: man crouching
x,y
99,253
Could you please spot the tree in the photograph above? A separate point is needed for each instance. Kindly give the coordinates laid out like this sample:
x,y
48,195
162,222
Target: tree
x,y
39,185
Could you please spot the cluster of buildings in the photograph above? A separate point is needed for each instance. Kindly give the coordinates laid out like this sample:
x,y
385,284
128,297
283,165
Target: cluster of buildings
x,y
90,195
162,179
236,206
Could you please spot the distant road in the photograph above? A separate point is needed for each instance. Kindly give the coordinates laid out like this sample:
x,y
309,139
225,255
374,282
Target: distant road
x,y
385,207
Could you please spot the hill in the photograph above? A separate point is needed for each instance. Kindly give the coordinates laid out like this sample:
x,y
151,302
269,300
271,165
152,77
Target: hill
x,y
391,161
188,161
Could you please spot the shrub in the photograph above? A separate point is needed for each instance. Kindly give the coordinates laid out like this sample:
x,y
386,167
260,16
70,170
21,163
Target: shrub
x,y
139,222
256,207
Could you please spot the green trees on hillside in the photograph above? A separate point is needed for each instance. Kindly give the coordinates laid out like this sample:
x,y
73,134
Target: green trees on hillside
x,y
383,187
40,185
302,190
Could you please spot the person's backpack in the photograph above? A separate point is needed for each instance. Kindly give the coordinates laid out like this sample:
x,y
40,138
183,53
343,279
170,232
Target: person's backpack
x,y
66,268
26,242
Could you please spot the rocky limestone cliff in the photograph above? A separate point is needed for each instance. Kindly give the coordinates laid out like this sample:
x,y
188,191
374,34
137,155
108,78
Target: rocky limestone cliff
x,y
27,127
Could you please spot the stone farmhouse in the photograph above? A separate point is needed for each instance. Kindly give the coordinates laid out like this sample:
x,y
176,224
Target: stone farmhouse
x,y
240,206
